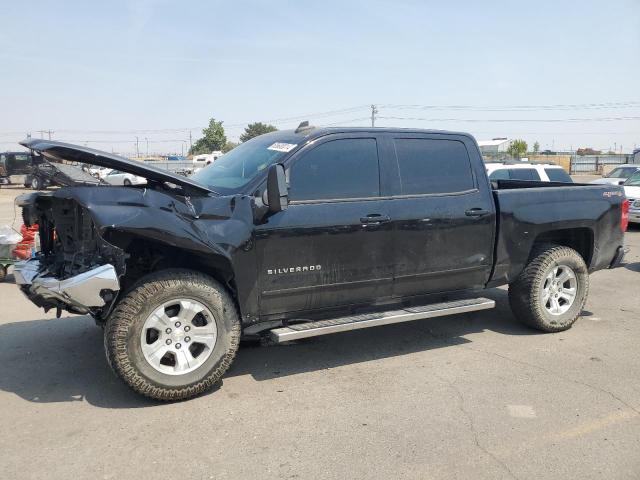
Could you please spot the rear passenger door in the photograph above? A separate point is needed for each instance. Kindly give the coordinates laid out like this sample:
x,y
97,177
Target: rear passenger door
x,y
443,214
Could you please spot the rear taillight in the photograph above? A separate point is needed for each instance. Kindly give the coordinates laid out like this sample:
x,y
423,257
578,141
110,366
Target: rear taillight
x,y
624,218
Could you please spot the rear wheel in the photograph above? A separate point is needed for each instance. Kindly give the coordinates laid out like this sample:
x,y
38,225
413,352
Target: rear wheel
x,y
173,335
36,184
127,182
551,291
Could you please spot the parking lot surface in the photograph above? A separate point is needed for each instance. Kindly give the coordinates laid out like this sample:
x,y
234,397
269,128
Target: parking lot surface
x,y
469,396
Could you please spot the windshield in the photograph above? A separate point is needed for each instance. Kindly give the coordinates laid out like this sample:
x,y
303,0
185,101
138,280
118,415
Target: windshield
x,y
621,173
235,169
633,180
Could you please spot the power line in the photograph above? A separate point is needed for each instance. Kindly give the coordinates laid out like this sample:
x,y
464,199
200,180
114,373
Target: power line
x,y
330,113
505,108
342,122
514,120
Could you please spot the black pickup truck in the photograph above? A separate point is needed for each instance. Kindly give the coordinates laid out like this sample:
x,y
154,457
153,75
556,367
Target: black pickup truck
x,y
301,233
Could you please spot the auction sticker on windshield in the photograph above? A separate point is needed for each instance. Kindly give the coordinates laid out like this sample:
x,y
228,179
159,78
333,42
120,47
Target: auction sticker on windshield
x,y
282,147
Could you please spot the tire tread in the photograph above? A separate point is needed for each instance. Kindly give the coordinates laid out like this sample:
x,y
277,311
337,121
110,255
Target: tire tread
x,y
123,317
522,300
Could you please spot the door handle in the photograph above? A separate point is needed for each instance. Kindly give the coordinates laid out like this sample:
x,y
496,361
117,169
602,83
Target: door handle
x,y
477,212
374,219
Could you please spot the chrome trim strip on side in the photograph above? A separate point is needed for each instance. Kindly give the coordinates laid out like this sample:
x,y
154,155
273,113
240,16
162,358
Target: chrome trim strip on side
x,y
356,322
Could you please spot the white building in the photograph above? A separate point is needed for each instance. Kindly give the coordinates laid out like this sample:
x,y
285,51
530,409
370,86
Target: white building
x,y
494,146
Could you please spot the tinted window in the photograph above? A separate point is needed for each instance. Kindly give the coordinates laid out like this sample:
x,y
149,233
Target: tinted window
x,y
558,175
433,166
345,168
19,160
502,174
524,174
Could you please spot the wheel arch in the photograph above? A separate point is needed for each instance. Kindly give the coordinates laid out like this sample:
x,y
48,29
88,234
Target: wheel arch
x,y
146,256
581,239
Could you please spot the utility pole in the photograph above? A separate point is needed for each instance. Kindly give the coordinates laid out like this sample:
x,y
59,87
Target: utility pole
x,y
137,149
374,110
42,132
147,145
190,141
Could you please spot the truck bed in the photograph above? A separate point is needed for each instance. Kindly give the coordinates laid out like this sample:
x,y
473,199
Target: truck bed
x,y
586,215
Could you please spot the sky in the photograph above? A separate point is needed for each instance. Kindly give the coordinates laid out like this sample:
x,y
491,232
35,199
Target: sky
x,y
563,73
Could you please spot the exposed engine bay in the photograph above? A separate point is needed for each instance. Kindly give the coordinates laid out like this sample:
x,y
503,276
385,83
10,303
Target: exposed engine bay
x,y
72,256
69,240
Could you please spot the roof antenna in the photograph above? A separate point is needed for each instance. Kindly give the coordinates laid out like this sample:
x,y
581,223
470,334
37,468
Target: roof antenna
x,y
303,126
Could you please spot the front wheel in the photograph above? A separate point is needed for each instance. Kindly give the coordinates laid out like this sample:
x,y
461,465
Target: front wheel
x,y
173,335
551,291
36,184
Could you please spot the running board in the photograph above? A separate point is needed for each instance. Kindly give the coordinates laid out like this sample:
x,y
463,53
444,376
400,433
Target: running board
x,y
354,322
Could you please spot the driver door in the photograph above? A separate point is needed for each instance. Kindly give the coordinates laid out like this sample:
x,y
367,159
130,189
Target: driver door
x,y
332,246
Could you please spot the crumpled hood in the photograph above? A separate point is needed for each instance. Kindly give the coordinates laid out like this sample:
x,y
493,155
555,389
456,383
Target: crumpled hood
x,y
65,151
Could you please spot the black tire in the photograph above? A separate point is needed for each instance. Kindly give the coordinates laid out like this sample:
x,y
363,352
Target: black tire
x,y
3,273
124,326
36,184
127,182
525,294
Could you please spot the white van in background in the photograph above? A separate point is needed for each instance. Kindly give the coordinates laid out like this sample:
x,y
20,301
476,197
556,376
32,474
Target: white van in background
x,y
201,161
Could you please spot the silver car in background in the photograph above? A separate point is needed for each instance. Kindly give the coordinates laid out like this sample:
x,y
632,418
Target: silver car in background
x,y
618,175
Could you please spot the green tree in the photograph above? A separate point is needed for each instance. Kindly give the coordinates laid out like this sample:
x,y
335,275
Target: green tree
x,y
536,147
229,146
213,139
255,129
517,148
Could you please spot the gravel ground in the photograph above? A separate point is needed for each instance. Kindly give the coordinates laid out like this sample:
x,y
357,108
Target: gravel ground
x,y
469,396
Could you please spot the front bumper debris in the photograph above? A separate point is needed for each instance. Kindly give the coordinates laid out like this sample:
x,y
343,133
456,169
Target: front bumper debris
x,y
81,293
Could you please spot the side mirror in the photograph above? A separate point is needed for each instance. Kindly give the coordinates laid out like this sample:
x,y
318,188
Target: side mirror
x,y
276,194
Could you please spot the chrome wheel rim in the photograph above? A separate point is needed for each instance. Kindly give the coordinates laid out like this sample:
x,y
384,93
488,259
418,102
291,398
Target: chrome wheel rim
x,y
179,336
559,290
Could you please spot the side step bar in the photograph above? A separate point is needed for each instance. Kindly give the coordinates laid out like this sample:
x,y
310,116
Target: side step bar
x,y
354,322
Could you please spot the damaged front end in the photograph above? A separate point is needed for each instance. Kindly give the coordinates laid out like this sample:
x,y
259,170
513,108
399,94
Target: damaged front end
x,y
76,269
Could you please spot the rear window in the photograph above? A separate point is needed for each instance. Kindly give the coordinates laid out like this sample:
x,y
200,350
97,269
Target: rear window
x,y
524,174
558,175
433,166
502,174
